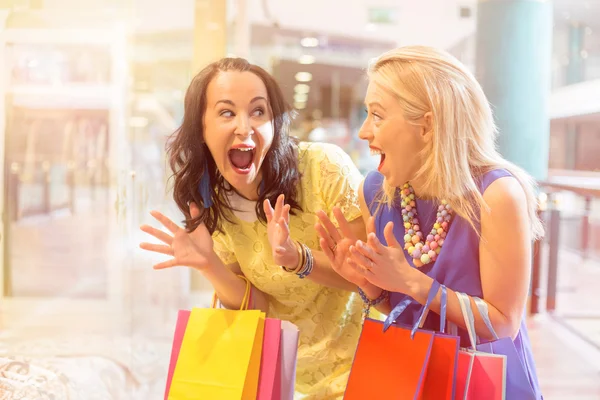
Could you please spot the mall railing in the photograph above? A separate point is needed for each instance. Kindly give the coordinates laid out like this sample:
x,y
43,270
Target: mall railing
x,y
578,241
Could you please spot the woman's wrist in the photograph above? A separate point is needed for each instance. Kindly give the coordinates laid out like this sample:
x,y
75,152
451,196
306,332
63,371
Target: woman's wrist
x,y
296,262
418,286
305,261
371,291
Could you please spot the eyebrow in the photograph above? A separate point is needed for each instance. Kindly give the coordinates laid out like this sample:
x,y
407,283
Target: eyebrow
x,y
231,103
374,103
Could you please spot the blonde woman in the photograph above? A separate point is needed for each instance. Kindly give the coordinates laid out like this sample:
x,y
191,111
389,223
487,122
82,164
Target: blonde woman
x,y
443,205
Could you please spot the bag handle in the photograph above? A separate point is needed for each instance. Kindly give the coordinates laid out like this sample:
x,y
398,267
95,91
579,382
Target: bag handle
x,y
435,287
245,300
483,310
401,307
443,308
467,312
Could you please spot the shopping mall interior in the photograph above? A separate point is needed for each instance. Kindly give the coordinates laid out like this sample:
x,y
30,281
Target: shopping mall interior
x,y
90,90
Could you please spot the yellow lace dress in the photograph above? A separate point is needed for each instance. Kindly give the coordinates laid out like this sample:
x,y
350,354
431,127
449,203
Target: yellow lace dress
x,y
329,319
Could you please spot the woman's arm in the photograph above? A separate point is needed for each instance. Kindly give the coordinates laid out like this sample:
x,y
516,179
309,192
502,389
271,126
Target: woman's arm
x,y
370,290
230,287
505,263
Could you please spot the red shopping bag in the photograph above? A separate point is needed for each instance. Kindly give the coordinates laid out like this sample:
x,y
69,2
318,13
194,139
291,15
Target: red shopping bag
x,y
482,375
441,371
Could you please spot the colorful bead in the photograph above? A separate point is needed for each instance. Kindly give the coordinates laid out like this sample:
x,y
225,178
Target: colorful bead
x,y
423,251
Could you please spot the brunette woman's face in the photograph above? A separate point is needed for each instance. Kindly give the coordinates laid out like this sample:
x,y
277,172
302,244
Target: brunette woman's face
x,y
238,128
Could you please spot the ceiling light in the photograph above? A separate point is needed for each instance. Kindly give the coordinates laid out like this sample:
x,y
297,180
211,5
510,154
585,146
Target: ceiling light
x,y
371,27
300,106
584,54
300,97
304,77
309,42
306,59
301,88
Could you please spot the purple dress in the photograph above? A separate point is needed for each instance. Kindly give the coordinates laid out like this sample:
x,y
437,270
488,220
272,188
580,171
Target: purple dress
x,y
457,266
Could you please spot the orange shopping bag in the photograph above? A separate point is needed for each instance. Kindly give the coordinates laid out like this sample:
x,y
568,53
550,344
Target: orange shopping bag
x,y
392,363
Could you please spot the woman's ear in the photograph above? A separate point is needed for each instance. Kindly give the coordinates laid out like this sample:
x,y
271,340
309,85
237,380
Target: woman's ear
x,y
427,127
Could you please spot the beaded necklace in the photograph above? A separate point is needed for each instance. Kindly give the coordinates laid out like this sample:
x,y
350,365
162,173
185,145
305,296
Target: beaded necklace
x,y
423,251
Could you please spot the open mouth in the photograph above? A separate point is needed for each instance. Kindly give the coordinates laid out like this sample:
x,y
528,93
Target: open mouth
x,y
375,152
241,159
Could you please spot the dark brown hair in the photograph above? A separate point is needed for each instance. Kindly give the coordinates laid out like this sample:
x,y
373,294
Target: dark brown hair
x,y
190,158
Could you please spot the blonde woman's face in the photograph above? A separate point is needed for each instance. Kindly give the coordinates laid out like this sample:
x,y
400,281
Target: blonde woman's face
x,y
391,137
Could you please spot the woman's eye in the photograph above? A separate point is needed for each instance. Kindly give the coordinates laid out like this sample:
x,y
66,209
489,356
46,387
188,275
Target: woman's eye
x,y
258,112
226,113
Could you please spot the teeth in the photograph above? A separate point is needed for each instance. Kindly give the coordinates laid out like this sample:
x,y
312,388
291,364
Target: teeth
x,y
376,152
244,149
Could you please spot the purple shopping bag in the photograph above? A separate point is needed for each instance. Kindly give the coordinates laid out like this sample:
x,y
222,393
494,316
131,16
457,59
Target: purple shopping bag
x,y
517,381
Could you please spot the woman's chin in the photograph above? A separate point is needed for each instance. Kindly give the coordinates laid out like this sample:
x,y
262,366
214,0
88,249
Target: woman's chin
x,y
242,180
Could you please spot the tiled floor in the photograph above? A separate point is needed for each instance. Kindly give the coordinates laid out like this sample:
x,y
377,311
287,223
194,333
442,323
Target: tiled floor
x,y
567,368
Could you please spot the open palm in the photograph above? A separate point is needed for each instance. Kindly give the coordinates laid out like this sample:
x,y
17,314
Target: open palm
x,y
336,245
278,231
189,249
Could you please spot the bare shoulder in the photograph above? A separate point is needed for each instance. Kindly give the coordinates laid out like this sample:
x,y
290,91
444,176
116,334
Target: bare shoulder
x,y
506,200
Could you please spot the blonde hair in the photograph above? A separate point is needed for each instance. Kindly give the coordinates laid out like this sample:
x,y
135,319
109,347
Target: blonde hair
x,y
463,148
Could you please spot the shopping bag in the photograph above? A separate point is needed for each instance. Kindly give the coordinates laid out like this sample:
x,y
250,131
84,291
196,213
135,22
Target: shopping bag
x,y
391,361
517,380
440,379
287,364
269,361
220,355
487,378
464,368
182,319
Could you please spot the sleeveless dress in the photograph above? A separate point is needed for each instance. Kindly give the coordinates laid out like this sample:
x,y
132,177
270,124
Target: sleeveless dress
x,y
457,266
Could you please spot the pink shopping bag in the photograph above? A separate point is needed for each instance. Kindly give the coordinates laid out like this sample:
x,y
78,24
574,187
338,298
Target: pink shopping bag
x,y
268,378
182,320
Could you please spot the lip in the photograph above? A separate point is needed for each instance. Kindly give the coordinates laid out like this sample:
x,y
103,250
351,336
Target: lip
x,y
242,146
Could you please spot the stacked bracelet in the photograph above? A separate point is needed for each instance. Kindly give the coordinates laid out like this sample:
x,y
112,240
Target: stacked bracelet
x,y
306,262
372,303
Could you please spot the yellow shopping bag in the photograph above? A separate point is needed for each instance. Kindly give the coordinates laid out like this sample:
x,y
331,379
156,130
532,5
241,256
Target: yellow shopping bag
x,y
220,355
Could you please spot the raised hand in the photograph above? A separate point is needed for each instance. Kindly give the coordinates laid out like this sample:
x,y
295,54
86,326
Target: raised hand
x,y
336,246
383,266
188,249
283,247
